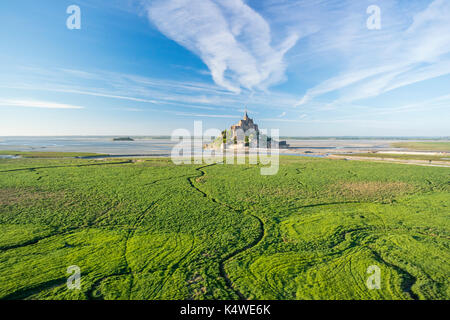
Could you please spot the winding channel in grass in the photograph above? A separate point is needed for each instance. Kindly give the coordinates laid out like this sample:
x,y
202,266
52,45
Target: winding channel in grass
x,y
233,254
406,284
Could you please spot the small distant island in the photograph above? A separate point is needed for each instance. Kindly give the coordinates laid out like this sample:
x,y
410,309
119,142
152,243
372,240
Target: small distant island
x,y
123,139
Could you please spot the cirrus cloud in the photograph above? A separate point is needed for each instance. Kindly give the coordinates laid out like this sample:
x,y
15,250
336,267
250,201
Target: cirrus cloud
x,y
232,39
417,52
37,104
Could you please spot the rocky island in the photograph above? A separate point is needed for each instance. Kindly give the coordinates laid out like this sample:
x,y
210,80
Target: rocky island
x,y
123,139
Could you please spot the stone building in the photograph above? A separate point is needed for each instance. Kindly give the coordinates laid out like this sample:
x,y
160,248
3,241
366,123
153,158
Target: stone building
x,y
242,135
245,124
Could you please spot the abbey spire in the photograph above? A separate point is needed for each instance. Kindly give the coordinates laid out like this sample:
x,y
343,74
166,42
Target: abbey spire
x,y
245,114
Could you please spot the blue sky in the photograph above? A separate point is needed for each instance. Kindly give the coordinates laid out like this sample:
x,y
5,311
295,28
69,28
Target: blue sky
x,y
148,67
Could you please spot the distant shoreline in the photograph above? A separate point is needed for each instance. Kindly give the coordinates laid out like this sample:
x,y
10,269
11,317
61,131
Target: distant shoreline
x,y
162,137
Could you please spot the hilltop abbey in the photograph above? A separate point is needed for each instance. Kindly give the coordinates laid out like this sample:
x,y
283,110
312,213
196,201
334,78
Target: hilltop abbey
x,y
229,145
242,135
245,125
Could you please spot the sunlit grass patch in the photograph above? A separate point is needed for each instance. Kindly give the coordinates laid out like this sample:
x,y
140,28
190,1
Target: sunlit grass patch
x,y
424,145
370,190
26,196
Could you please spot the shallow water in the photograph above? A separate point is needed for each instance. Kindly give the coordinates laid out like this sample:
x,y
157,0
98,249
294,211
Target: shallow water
x,y
87,144
148,146
7,156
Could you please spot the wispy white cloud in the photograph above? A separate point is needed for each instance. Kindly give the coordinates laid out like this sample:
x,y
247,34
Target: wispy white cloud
x,y
361,121
130,109
231,38
393,59
146,92
441,102
37,104
343,81
191,114
104,95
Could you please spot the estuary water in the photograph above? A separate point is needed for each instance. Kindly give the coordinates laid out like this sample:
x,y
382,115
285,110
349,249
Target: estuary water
x,y
162,146
144,146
